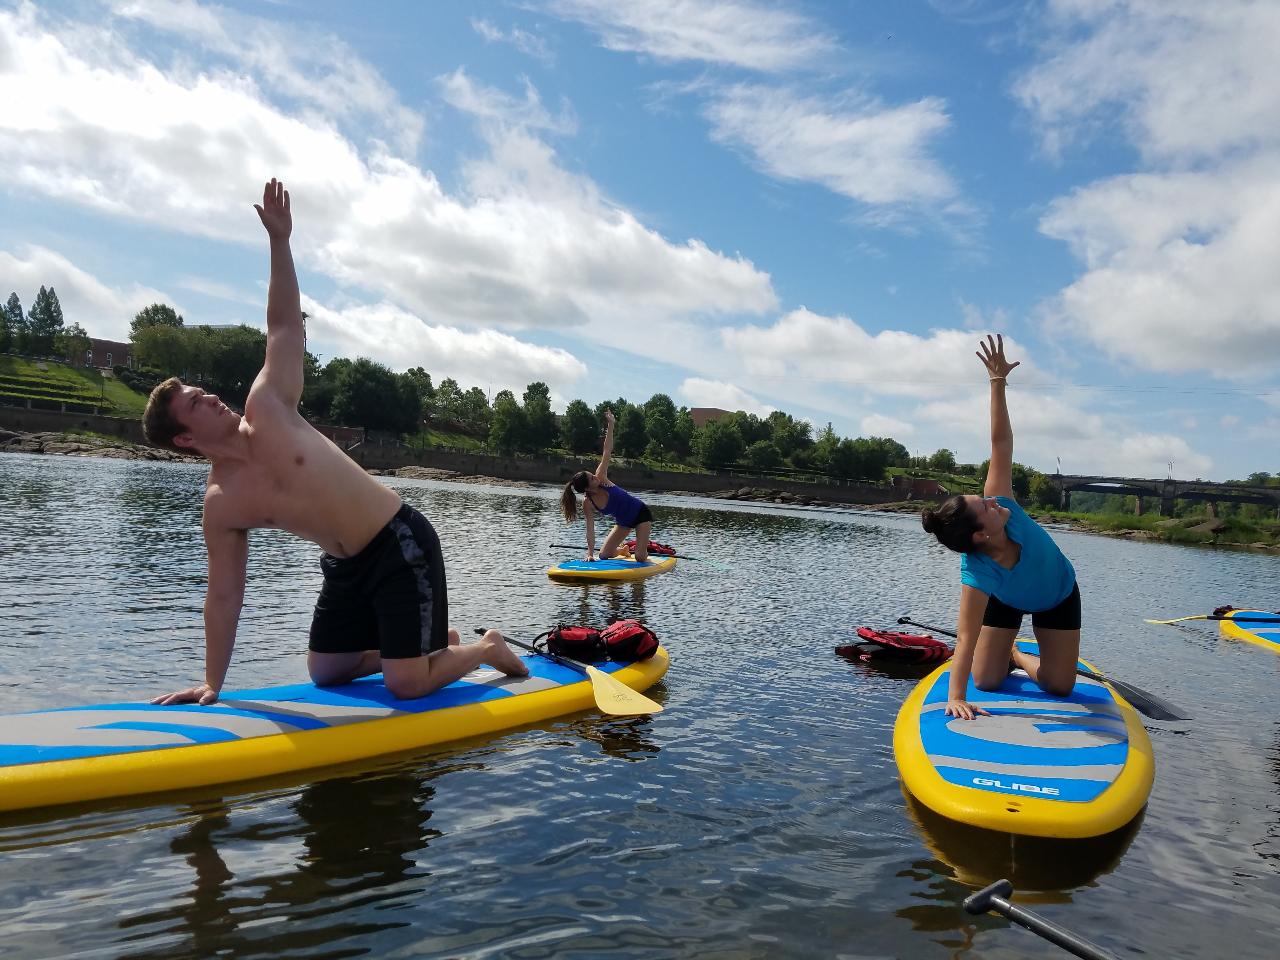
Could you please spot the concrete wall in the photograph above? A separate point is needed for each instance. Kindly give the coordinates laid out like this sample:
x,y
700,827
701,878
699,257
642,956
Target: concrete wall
x,y
39,421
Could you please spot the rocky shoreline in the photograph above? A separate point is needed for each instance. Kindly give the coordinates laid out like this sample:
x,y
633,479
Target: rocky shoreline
x,y
86,445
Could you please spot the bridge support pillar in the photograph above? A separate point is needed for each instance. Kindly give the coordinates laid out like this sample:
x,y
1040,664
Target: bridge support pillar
x,y
1166,506
1213,509
1066,502
1137,508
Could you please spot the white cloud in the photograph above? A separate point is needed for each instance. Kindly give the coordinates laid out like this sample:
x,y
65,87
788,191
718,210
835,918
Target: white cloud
x,y
697,392
1229,420
738,33
89,122
524,41
1186,79
1048,427
103,311
294,61
854,145
1179,259
485,358
1180,268
879,425
803,345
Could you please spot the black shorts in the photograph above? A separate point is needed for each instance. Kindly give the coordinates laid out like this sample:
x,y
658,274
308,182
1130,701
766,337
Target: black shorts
x,y
642,516
390,597
1065,616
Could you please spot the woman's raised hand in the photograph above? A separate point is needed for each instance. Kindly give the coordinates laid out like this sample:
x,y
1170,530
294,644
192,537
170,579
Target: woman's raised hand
x,y
992,357
608,416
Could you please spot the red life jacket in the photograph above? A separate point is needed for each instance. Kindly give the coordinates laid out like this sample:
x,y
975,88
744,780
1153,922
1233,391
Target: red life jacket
x,y
661,549
894,645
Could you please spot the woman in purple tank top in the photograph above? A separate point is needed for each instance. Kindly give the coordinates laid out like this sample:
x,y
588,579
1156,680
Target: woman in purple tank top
x,y
601,496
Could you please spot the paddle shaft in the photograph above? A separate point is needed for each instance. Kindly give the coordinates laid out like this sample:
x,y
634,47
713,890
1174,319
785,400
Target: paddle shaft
x,y
1147,703
563,661
1209,616
578,546
995,897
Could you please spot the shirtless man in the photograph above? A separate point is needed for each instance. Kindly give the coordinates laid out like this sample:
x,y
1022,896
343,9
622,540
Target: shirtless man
x,y
384,604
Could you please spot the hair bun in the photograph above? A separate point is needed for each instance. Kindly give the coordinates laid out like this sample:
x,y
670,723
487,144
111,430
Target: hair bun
x,y
929,519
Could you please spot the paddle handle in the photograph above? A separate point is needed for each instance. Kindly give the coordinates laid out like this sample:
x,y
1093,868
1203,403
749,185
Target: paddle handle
x,y
995,897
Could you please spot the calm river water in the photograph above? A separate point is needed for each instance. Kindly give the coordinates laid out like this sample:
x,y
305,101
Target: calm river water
x,y
758,816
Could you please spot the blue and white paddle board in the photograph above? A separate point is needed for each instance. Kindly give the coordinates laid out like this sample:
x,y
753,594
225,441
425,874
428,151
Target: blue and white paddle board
x,y
1039,765
73,754
1264,634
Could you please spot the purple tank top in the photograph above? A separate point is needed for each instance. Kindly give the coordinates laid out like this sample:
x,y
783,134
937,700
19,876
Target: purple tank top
x,y
622,506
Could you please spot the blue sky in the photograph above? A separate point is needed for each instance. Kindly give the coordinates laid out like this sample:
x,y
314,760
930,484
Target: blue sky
x,y
812,207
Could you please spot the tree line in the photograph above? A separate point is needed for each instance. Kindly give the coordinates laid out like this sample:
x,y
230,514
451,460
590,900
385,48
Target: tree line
x,y
41,331
367,394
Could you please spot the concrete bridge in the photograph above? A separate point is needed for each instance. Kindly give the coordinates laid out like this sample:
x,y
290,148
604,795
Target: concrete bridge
x,y
1167,491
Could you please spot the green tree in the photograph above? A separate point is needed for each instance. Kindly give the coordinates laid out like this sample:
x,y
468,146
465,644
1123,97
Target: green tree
x,y
420,382
579,429
44,322
507,427
19,334
474,412
233,359
632,437
895,454
155,315
539,421
659,424
943,460
163,348
788,434
367,394
447,406
762,455
1044,490
71,343
12,323
682,435
718,443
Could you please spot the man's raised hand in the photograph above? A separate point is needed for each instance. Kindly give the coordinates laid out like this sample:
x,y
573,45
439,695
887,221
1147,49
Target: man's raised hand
x,y
274,210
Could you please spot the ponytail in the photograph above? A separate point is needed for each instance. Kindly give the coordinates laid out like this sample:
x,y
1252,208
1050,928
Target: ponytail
x,y
568,499
952,523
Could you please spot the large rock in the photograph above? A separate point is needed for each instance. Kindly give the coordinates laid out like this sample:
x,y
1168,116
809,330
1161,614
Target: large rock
x,y
1211,527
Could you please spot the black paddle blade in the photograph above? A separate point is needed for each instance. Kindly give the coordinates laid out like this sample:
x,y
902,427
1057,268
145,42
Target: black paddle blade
x,y
1145,703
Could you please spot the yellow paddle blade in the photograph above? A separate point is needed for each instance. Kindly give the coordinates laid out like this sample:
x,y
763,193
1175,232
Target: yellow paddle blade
x,y
614,696
1198,616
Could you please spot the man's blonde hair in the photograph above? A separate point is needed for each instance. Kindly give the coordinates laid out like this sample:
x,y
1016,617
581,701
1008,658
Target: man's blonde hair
x,y
158,421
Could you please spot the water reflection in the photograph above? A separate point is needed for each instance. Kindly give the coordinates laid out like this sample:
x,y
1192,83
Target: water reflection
x,y
350,843
1041,867
597,605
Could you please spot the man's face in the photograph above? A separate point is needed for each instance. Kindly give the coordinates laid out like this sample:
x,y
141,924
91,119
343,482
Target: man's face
x,y
203,414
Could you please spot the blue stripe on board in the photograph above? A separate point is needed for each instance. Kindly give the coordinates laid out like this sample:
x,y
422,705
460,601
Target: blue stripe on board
x,y
601,564
219,710
1021,687
192,733
938,740
1072,791
20,754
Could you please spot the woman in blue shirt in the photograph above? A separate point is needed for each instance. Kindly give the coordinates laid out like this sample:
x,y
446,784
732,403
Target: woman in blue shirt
x,y
1010,567
601,496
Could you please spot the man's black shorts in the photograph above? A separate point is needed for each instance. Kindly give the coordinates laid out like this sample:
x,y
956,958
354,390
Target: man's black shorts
x,y
391,596
1065,616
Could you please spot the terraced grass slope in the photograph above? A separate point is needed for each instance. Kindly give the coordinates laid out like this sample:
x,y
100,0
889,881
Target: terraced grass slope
x,y
48,385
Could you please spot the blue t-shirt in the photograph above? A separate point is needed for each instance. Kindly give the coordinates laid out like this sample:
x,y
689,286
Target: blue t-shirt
x,y
1041,579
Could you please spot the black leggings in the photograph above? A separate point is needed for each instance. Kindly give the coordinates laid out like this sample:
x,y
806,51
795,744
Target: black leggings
x,y
1065,616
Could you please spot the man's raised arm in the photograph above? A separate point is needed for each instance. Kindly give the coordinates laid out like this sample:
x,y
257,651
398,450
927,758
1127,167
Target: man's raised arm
x,y
286,336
